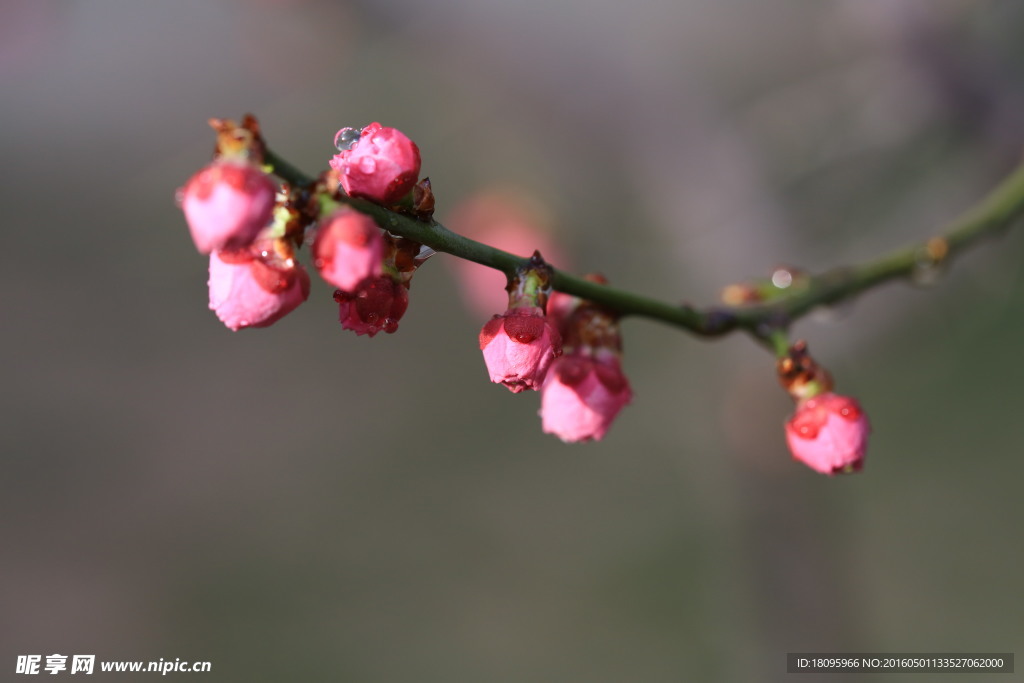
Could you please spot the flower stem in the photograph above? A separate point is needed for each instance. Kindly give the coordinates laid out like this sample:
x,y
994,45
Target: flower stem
x,y
992,215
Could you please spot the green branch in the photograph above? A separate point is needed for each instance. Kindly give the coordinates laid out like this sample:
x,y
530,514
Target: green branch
x,y
991,215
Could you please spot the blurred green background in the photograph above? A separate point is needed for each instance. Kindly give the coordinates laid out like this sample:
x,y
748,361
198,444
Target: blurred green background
x,y
301,504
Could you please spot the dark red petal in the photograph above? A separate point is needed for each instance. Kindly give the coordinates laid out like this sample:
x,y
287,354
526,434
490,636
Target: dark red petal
x,y
490,330
399,187
849,410
524,328
202,183
243,255
807,422
571,370
373,300
399,303
270,278
611,377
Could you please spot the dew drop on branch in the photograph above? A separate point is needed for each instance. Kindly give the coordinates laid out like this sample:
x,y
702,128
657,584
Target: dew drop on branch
x,y
782,278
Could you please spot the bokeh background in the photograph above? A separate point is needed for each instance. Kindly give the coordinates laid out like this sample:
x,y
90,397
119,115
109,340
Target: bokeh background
x,y
299,503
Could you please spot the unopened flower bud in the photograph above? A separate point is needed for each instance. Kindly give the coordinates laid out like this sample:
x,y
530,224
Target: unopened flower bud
x,y
382,164
348,248
518,347
829,433
227,204
585,389
582,395
376,305
254,288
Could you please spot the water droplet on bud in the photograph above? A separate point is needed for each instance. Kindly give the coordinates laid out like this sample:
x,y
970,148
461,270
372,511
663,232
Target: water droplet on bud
x,y
808,431
367,165
347,138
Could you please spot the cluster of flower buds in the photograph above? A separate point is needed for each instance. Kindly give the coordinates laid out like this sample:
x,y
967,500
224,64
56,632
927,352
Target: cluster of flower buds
x,y
372,268
566,347
230,209
828,432
250,227
377,302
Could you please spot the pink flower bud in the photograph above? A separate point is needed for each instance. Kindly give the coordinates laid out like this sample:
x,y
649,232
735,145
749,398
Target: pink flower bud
x,y
378,303
247,290
381,165
829,433
582,395
348,249
227,204
519,346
